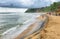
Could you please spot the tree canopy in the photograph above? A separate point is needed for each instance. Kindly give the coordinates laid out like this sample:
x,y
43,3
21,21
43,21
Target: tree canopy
x,y
53,7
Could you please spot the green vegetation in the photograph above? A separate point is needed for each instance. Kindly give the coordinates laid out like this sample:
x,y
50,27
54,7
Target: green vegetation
x,y
31,10
53,7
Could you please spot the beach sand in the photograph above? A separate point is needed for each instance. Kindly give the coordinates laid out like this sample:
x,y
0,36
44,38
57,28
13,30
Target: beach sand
x,y
52,29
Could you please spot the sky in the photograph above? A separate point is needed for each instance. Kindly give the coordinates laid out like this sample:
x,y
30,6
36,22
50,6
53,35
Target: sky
x,y
27,3
24,3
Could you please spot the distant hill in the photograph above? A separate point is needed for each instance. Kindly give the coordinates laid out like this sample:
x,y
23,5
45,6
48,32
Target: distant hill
x,y
53,7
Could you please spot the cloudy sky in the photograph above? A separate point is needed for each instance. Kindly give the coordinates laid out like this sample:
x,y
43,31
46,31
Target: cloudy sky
x,y
27,3
24,3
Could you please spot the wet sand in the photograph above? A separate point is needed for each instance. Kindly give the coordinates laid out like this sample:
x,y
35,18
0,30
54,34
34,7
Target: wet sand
x,y
30,28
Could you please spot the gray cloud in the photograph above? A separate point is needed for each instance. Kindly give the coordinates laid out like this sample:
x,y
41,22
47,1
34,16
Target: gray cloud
x,y
25,3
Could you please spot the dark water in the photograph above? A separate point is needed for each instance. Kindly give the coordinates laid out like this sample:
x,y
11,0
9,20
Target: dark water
x,y
8,20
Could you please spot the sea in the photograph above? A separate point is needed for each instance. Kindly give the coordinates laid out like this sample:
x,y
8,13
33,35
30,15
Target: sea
x,y
12,19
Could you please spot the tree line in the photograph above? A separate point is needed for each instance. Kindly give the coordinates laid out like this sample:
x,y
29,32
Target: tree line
x,y
53,7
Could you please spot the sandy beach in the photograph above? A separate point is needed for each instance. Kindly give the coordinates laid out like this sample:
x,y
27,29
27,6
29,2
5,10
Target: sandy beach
x,y
52,29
